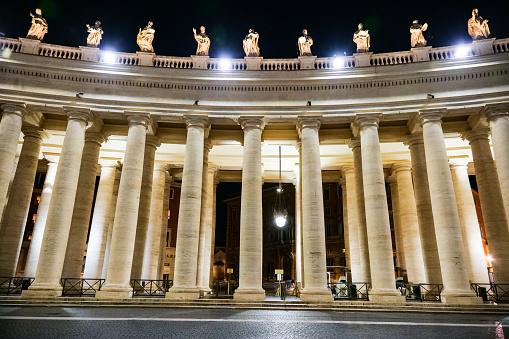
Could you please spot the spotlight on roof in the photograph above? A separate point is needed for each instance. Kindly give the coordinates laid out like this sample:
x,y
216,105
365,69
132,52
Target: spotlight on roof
x,y
338,63
462,52
224,64
6,53
109,58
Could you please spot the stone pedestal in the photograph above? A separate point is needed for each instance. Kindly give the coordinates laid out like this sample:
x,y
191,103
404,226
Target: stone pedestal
x,y
483,47
200,61
362,59
89,53
253,63
146,58
30,46
307,62
420,53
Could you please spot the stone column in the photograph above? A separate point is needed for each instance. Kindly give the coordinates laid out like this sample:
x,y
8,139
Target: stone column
x,y
164,224
346,229
58,222
77,242
40,221
398,233
16,209
498,118
10,128
113,209
186,255
251,219
365,275
445,213
470,232
213,242
100,221
409,224
383,283
353,221
298,227
121,251
313,224
424,210
151,145
492,204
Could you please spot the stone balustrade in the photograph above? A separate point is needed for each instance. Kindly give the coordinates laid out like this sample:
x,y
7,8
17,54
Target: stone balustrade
x,y
62,52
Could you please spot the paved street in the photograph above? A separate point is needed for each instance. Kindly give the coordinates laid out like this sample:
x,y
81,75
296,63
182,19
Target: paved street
x,y
142,322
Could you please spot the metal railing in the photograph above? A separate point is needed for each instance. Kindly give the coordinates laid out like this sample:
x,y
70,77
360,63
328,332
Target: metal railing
x,y
150,288
350,291
223,288
14,285
77,287
421,292
498,293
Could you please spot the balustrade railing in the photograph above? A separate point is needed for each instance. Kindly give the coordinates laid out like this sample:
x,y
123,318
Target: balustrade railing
x,y
77,287
350,291
150,288
118,58
498,293
14,45
14,285
62,52
501,46
336,62
421,292
280,64
391,58
173,62
227,64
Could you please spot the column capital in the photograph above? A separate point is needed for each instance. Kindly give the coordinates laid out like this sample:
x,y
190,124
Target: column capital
x,y
111,163
476,134
34,132
313,122
354,143
137,118
17,108
198,121
459,163
161,166
52,159
213,168
431,115
367,120
414,139
392,180
78,113
252,122
401,166
348,169
95,137
207,145
152,141
494,111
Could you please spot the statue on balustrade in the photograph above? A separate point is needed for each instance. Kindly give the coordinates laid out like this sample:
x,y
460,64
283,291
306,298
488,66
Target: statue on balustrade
x,y
95,34
39,26
145,38
250,44
203,42
477,26
416,37
361,38
305,42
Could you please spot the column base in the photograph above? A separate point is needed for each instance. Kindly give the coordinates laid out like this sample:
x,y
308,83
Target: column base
x,y
42,293
461,298
183,293
249,294
322,295
205,290
114,293
386,296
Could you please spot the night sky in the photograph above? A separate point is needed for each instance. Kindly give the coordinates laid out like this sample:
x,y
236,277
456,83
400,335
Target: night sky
x,y
331,24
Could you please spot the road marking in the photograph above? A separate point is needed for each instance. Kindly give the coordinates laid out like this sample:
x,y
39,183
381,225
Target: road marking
x,y
292,321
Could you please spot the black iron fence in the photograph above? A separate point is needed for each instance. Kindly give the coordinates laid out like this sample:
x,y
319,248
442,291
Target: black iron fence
x,y
150,288
223,288
14,285
421,292
350,291
498,293
77,287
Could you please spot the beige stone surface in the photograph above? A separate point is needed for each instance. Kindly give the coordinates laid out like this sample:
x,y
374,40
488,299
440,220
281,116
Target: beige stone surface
x,y
113,209
398,232
353,224
164,225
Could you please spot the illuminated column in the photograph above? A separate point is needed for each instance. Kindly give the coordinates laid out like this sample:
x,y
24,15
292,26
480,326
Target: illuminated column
x,y
313,230
351,206
445,211
16,209
100,221
298,227
123,235
470,232
365,275
346,229
424,211
151,144
164,224
383,283
398,233
77,242
186,255
40,221
492,204
114,199
204,258
58,222
251,220
213,242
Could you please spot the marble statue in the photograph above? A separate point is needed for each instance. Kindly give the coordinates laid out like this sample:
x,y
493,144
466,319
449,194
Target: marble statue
x,y
145,38
416,37
361,38
250,44
305,42
39,26
95,34
203,42
477,26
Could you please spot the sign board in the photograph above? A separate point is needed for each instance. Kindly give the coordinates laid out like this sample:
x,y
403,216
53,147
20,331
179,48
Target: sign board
x,y
279,272
229,270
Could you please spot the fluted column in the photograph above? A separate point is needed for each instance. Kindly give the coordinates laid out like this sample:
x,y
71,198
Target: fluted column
x,y
365,274
186,255
121,251
424,210
113,209
251,221
353,222
313,223
40,222
409,224
100,221
398,232
470,231
445,213
164,224
58,222
377,213
151,144
492,204
77,242
16,209
10,128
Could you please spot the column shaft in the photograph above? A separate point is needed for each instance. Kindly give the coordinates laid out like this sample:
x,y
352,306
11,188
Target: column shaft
x,y
164,225
205,247
298,228
398,232
113,209
346,228
353,223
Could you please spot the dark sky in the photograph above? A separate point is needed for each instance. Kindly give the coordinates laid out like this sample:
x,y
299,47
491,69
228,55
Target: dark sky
x,y
330,23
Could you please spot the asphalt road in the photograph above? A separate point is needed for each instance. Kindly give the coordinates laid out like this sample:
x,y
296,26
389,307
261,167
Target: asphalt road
x,y
142,322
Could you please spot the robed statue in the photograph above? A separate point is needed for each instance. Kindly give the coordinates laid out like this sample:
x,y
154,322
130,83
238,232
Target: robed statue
x,y
95,34
305,42
416,37
203,42
361,38
477,26
250,44
39,26
145,38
